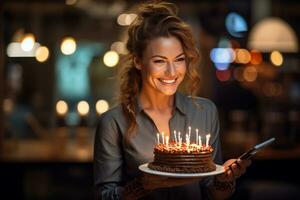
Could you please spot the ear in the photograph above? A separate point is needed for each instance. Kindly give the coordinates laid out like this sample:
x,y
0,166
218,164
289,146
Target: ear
x,y
137,63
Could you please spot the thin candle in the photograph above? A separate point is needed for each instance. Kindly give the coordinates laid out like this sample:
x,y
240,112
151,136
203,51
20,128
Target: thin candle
x,y
200,141
197,136
157,135
175,136
207,139
163,137
190,132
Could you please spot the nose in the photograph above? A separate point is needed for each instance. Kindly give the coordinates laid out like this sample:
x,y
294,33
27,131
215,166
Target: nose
x,y
170,71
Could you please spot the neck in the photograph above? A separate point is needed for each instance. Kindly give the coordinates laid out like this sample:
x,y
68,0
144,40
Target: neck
x,y
160,102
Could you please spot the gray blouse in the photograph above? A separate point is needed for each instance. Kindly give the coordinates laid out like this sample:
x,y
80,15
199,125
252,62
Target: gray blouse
x,y
116,163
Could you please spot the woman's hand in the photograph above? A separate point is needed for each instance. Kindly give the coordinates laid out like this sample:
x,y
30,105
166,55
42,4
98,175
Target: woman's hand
x,y
234,168
151,182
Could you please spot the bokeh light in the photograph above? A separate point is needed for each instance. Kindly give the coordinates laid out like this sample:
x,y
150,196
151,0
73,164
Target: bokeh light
x,y
256,57
250,73
61,107
223,75
83,108
238,74
119,47
68,46
222,57
28,42
111,58
236,25
242,56
102,106
276,58
42,54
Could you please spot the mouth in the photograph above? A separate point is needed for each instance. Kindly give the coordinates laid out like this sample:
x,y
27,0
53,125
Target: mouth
x,y
167,81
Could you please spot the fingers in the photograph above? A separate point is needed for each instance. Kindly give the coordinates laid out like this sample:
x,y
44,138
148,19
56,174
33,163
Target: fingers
x,y
234,168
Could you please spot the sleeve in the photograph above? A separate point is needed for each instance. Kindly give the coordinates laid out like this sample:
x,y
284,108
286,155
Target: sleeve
x,y
216,144
107,159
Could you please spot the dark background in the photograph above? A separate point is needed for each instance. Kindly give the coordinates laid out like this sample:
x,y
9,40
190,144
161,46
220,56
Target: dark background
x,y
51,158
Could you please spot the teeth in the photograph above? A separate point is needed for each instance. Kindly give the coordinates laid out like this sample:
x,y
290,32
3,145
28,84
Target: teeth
x,y
168,81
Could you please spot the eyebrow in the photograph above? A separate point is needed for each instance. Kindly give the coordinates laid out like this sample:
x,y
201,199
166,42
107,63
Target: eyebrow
x,y
166,57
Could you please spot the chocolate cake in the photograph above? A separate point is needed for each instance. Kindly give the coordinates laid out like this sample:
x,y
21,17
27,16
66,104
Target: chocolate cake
x,y
182,158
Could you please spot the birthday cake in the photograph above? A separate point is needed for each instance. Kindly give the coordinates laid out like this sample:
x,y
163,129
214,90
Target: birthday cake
x,y
182,158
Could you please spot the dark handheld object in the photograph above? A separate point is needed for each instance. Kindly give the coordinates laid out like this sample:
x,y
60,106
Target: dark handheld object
x,y
248,154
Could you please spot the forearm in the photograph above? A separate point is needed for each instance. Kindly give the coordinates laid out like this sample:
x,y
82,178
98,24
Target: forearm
x,y
221,190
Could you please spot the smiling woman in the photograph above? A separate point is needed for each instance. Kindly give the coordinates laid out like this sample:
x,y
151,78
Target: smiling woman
x,y
162,53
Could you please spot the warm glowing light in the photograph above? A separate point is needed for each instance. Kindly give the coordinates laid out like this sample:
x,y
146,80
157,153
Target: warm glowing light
x,y
61,107
242,56
83,108
276,58
42,54
119,47
28,42
256,57
14,49
273,33
68,46
102,106
126,19
111,58
130,18
250,73
223,75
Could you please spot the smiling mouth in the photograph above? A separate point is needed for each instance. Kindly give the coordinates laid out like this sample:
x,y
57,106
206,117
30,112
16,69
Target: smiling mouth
x,y
168,81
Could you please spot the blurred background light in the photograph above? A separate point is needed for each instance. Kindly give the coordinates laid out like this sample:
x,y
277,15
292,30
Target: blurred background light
x,y
276,58
273,33
236,25
83,108
250,73
242,56
223,75
222,57
111,58
102,106
61,108
14,49
119,47
28,42
68,46
42,54
126,19
256,57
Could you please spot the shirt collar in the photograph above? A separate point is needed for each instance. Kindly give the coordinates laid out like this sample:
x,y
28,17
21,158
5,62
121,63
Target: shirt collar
x,y
179,103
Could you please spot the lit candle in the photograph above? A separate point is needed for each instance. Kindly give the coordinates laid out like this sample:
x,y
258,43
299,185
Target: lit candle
x,y
180,139
157,135
197,136
163,137
207,139
200,141
175,136
190,132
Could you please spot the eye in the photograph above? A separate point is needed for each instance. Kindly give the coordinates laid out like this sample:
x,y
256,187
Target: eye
x,y
159,61
181,59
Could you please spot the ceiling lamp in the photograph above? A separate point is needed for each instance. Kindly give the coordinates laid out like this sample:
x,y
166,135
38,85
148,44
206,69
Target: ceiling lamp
x,y
273,34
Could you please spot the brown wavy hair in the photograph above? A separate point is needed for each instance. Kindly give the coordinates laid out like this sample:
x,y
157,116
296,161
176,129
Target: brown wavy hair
x,y
154,20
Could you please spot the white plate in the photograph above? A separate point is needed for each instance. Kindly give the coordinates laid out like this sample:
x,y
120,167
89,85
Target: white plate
x,y
146,169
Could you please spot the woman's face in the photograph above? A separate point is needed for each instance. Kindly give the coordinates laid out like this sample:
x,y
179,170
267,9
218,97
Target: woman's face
x,y
163,65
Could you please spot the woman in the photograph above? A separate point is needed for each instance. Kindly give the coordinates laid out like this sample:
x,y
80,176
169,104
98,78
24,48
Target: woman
x,y
162,55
